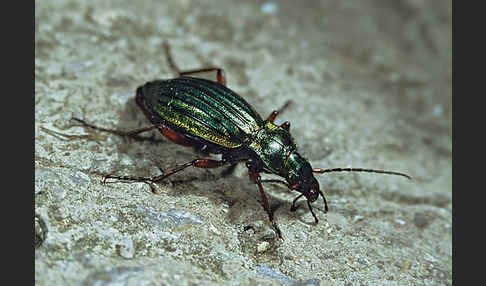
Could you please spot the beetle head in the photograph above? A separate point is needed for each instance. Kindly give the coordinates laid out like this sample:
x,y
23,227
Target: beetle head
x,y
301,179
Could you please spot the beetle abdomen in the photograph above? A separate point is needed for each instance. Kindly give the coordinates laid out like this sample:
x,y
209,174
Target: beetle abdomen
x,y
199,108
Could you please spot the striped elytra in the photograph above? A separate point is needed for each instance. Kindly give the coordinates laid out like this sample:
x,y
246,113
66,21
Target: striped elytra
x,y
199,108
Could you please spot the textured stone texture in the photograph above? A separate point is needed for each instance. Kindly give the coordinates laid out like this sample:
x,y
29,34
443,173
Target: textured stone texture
x,y
371,82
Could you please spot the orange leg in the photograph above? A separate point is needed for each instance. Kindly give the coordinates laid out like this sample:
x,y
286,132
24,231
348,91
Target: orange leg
x,y
275,113
175,137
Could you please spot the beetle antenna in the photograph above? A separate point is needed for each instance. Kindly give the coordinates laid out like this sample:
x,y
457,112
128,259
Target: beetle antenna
x,y
321,171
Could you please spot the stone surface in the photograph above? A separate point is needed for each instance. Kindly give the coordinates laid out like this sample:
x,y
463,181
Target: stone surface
x,y
371,84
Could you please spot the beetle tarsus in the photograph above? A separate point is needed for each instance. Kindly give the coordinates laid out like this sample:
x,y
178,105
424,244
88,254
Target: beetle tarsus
x,y
285,106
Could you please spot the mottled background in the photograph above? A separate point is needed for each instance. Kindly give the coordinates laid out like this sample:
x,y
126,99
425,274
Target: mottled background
x,y
371,84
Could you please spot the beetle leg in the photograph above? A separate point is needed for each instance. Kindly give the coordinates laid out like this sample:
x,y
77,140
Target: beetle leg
x,y
255,177
175,137
293,208
198,163
274,114
312,212
220,74
285,125
285,106
132,133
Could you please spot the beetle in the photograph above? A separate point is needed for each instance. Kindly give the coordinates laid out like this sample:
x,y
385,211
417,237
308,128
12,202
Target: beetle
x,y
207,115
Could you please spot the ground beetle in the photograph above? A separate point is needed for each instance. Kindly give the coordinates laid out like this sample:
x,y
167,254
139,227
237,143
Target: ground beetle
x,y
212,118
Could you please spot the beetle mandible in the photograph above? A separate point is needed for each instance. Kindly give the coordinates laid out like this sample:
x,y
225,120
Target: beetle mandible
x,y
210,117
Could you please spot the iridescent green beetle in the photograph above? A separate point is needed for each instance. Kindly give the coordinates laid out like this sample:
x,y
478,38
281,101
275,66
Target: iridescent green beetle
x,y
207,115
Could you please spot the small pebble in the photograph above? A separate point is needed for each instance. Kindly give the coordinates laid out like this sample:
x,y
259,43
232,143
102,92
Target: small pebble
x,y
400,222
263,246
357,218
126,248
269,8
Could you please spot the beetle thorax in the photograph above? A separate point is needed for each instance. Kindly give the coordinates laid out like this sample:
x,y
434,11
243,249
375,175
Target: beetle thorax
x,y
273,145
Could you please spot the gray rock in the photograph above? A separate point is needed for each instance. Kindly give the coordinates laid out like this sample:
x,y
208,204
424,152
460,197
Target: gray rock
x,y
371,83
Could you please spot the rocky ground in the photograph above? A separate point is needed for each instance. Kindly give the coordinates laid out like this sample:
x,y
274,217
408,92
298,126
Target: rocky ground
x,y
371,85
